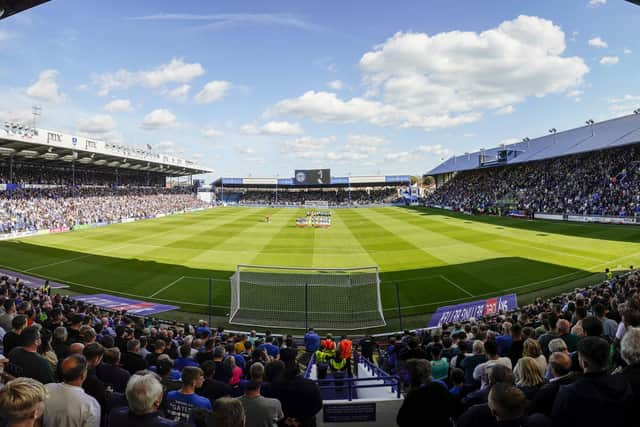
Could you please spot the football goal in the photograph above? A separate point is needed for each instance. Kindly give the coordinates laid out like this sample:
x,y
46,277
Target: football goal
x,y
289,297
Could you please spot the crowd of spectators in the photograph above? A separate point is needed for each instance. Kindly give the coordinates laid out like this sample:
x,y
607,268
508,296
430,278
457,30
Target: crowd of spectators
x,y
335,197
64,207
572,360
70,364
595,183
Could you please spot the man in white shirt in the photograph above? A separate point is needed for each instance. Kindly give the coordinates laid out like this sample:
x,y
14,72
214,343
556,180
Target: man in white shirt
x,y
68,405
491,350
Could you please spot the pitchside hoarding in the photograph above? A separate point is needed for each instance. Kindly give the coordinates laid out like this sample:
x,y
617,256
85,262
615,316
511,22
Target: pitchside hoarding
x,y
139,308
475,310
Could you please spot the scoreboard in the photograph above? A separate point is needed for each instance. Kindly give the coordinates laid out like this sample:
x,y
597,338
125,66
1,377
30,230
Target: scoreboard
x,y
312,176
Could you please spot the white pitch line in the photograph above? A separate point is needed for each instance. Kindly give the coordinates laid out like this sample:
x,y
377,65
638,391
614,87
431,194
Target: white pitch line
x,y
59,262
167,287
457,286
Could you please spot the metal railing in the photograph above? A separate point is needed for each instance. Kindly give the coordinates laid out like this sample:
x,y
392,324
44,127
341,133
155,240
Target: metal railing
x,y
355,383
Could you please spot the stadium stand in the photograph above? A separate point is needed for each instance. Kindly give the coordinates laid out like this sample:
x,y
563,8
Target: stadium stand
x,y
587,171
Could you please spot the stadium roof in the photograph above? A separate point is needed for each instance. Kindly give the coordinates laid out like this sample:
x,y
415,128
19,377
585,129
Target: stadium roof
x,y
597,136
52,147
11,7
335,181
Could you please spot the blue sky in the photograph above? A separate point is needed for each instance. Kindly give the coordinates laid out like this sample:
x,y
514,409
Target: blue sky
x,y
262,88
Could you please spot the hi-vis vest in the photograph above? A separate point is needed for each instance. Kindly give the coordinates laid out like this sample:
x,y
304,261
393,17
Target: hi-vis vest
x,y
337,366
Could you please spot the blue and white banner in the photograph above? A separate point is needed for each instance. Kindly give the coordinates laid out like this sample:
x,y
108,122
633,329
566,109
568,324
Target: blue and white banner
x,y
131,306
475,310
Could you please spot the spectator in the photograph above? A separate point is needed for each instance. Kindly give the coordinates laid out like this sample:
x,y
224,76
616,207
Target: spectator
x,y
300,398
13,339
425,397
92,385
26,362
110,373
185,358
609,326
22,402
6,318
597,398
630,351
181,402
570,339
491,350
272,350
529,377
470,363
211,388
131,360
68,404
60,344
144,396
560,367
260,411
228,412
507,404
478,412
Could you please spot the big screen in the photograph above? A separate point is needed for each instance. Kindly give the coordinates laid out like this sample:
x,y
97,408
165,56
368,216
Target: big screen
x,y
312,176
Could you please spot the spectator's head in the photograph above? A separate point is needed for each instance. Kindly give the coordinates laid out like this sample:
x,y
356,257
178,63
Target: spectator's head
x,y
10,306
228,412
164,367
133,346
185,351
558,345
457,376
144,394
419,371
273,370
218,352
529,372
159,346
599,310
592,326
497,374
22,400
19,322
531,348
593,353
60,334
563,326
478,347
76,348
192,377
630,346
31,338
111,356
560,364
93,353
208,368
507,402
74,369
491,349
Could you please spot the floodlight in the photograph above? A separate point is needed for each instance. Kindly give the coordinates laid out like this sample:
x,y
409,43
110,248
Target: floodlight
x,y
636,111
526,139
553,130
590,122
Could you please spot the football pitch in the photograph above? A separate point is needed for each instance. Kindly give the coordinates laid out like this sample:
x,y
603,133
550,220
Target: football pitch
x,y
434,257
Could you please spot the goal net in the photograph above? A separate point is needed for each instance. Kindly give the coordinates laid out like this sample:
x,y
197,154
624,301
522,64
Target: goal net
x,y
285,297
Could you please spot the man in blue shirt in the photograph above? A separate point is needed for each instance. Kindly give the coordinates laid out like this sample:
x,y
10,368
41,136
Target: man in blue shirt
x,y
272,350
185,359
180,403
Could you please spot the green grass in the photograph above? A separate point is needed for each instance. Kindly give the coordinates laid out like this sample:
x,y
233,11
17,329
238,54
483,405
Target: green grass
x,y
435,257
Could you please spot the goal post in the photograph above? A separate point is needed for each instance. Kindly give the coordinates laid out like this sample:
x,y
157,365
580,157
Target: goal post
x,y
292,297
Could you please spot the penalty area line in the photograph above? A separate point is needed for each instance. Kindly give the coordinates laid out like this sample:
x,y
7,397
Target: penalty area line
x,y
166,287
451,282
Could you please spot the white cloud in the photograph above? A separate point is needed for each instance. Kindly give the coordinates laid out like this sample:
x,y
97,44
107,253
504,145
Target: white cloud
x,y
418,153
509,109
96,125
5,35
598,42
46,89
574,93
609,60
272,128
176,71
627,51
180,93
159,119
119,106
212,91
596,3
335,85
624,105
244,150
449,79
364,143
574,35
211,133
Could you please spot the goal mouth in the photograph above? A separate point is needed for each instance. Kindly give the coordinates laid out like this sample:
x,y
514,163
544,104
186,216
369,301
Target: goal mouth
x,y
303,297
